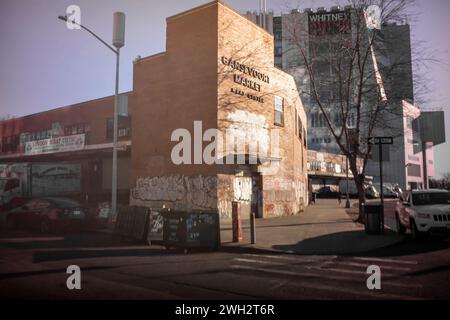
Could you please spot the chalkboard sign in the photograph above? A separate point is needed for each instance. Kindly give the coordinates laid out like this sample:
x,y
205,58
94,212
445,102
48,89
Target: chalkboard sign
x,y
191,229
156,223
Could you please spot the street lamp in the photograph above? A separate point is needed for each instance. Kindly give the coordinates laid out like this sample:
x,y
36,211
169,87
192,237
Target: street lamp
x,y
118,42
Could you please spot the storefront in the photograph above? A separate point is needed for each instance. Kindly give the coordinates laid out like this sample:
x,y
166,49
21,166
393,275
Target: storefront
x,y
66,151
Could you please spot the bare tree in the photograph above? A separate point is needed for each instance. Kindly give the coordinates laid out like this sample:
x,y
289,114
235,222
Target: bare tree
x,y
352,92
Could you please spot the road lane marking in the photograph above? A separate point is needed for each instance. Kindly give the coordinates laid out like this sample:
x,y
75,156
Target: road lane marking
x,y
379,295
365,265
389,283
294,258
347,271
324,274
258,261
385,260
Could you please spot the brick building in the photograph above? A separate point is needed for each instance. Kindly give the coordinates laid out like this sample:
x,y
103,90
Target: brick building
x,y
223,76
77,134
211,121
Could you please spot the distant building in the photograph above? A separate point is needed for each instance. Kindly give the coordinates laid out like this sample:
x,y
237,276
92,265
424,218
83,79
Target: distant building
x,y
391,60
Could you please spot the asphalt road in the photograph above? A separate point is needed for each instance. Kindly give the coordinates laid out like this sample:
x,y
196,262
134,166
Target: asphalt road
x,y
34,267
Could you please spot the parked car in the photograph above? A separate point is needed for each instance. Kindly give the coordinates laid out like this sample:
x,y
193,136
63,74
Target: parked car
x,y
327,192
45,214
371,192
389,192
369,189
424,211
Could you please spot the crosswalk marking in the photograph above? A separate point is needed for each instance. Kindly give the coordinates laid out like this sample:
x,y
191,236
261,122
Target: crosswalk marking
x,y
324,267
348,271
258,261
365,265
293,258
318,286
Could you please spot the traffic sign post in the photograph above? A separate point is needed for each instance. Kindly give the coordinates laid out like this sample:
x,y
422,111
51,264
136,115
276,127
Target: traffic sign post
x,y
380,141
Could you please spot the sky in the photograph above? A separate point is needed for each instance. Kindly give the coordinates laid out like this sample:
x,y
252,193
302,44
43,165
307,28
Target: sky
x,y
43,65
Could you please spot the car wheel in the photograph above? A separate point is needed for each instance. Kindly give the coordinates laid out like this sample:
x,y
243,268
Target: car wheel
x,y
44,226
11,223
400,228
415,234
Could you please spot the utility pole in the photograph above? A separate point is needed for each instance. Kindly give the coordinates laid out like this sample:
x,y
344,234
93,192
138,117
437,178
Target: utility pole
x,y
118,42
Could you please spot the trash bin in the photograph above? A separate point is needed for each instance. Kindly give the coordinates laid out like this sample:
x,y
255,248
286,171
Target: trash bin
x,y
373,216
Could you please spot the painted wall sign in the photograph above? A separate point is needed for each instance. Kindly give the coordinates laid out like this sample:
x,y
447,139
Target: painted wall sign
x,y
55,179
245,69
322,23
54,145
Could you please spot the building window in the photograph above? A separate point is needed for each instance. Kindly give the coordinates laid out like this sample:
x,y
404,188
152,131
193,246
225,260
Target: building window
x,y
414,170
351,120
300,126
10,144
314,120
318,120
278,51
304,138
124,127
295,122
326,140
279,111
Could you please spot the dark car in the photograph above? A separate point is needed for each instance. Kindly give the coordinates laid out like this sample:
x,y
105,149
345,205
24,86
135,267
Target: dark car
x,y
327,192
46,215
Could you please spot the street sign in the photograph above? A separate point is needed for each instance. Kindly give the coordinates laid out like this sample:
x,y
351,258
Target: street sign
x,y
380,140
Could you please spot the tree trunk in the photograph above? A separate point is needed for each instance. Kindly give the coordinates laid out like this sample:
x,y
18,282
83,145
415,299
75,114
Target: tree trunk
x,y
361,197
359,182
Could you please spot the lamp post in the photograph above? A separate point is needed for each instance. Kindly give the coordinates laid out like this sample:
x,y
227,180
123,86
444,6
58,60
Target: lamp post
x,y
118,42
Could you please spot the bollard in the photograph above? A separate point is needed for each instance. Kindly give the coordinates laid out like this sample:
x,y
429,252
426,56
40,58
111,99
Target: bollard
x,y
252,228
236,221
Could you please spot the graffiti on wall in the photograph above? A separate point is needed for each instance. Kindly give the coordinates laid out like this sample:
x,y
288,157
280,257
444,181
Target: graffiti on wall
x,y
250,128
284,196
242,188
193,192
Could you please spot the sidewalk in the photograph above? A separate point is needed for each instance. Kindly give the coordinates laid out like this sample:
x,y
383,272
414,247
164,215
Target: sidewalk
x,y
324,229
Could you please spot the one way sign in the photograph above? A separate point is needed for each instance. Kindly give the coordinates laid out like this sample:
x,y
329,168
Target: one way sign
x,y
380,140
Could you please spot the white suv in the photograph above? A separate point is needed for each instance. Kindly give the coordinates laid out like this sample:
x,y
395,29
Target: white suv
x,y
424,211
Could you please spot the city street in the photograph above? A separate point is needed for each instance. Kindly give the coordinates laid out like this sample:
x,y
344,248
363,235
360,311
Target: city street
x,y
35,267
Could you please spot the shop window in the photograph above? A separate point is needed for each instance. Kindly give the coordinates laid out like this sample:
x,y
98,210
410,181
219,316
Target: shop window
x,y
279,111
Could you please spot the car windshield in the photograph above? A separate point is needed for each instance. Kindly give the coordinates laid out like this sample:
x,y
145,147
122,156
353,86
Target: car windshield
x,y
63,202
423,199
